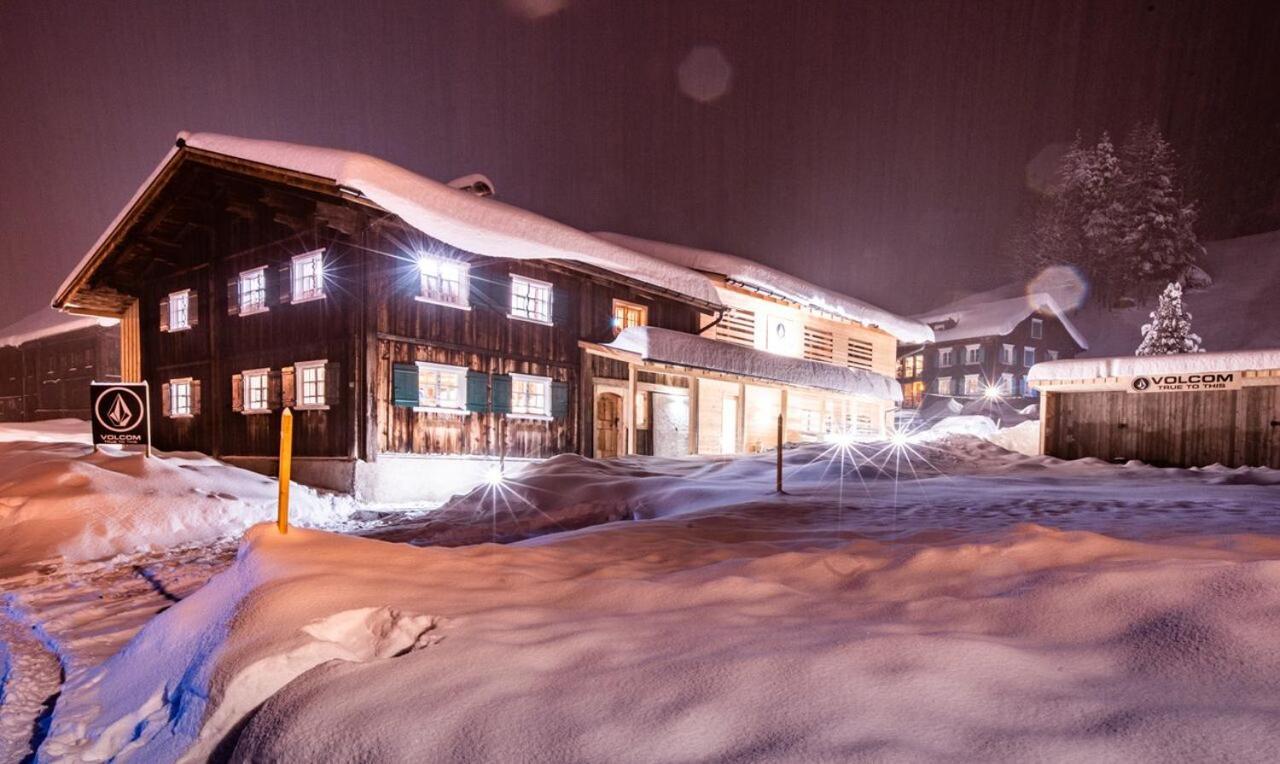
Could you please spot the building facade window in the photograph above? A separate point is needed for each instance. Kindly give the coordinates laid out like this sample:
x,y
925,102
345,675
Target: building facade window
x,y
972,384
180,310
1028,356
1006,384
530,300
440,387
1037,328
307,276
444,281
946,357
255,383
972,354
1006,355
180,398
310,384
944,386
628,314
1053,354
530,396
252,291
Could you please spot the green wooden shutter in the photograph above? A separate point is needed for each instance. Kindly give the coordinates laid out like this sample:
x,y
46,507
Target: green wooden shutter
x,y
502,394
559,399
477,391
560,306
404,384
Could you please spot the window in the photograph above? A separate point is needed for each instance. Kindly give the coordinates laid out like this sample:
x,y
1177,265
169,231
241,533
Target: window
x,y
180,397
944,386
444,281
308,276
628,314
309,380
530,396
1037,328
1006,384
530,300
1053,355
972,384
972,354
253,291
1028,356
180,310
1006,355
440,387
255,391
946,357
1027,390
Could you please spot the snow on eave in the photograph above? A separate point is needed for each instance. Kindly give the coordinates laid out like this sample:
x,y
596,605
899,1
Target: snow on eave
x,y
47,323
471,223
698,352
784,285
1136,366
997,318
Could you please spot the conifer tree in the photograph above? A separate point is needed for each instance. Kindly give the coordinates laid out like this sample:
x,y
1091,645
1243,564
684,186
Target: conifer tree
x,y
1170,329
1158,240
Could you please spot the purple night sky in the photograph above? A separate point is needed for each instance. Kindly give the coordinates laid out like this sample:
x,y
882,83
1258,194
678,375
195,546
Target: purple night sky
x,y
881,148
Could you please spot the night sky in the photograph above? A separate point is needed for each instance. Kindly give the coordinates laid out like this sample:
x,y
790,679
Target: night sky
x,y
881,148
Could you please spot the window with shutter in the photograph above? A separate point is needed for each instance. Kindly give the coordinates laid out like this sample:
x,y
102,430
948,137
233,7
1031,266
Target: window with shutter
x,y
233,296
501,394
477,391
441,388
251,291
164,314
530,397
559,399
288,387
256,395
237,392
310,384
195,397
404,384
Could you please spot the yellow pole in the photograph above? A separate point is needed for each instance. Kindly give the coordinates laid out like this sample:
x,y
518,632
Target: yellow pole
x,y
286,460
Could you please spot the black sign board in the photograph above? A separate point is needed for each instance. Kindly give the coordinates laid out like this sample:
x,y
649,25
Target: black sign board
x,y
121,414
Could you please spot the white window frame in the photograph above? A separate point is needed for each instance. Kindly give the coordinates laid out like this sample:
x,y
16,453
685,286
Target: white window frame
x,y
438,368
428,263
973,384
945,386
245,398
1032,352
174,385
296,294
946,357
1006,384
1007,355
1037,328
627,304
1052,355
524,412
258,274
532,284
185,301
972,355
300,368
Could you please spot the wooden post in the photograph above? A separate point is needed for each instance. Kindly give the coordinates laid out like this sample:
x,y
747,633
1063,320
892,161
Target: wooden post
x,y
694,392
286,464
779,448
740,436
632,392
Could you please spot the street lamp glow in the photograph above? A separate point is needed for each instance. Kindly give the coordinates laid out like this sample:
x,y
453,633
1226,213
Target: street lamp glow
x,y
494,476
993,393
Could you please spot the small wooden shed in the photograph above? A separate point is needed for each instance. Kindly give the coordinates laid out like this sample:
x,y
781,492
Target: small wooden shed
x,y
1188,410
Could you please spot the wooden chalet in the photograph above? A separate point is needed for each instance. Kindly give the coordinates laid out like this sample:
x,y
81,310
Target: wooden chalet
x,y
423,334
47,361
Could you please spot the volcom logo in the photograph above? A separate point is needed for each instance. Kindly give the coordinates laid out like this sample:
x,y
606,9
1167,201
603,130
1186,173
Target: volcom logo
x,y
119,409
120,415
1141,383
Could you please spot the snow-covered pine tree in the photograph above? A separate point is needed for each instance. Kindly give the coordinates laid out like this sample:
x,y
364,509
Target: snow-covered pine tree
x,y
1158,240
1170,329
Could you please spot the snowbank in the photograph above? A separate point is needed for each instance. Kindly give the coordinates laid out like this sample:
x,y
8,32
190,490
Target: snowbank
x,y
47,431
681,349
1023,437
1132,366
777,282
61,499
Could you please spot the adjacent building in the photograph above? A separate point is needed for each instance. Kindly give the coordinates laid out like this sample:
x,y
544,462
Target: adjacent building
x,y
985,349
47,361
425,334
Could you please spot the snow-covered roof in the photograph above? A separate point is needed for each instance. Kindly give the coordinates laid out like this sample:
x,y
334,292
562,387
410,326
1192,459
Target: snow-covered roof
x,y
779,283
1145,365
471,223
694,351
996,318
46,323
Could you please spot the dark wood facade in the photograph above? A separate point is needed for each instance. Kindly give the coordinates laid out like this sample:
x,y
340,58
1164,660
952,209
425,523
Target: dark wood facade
x,y
1168,429
48,377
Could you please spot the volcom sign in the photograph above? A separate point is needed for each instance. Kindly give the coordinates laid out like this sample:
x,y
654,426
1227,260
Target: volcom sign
x,y
120,413
1176,383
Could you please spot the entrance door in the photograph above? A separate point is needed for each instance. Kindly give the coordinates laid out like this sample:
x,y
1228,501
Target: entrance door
x,y
608,425
670,424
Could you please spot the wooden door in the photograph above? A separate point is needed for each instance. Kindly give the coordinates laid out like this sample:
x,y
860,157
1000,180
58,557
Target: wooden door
x,y
608,425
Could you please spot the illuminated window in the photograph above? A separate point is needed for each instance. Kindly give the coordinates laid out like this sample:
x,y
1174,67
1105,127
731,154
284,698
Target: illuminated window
x,y
308,276
253,291
1028,356
1006,354
443,281
255,391
628,314
180,310
1037,328
530,300
440,387
1006,384
946,356
530,396
972,354
944,385
309,380
180,397
972,384
1053,355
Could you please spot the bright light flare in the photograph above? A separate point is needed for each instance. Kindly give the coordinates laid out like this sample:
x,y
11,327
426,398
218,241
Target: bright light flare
x,y
899,438
993,393
494,477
